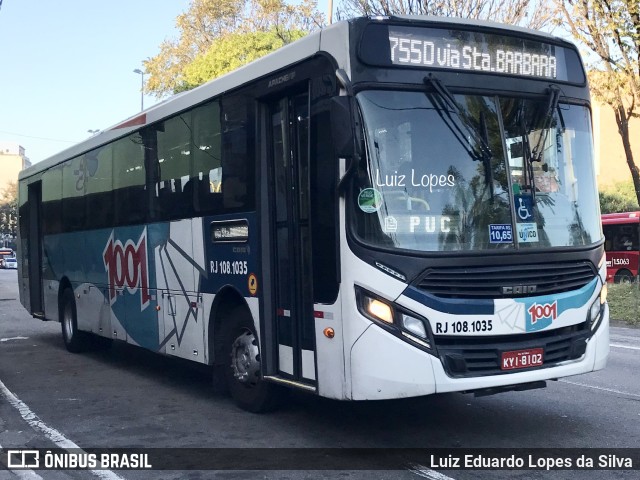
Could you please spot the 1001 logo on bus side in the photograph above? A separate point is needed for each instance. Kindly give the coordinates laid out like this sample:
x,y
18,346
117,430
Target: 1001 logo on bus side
x,y
127,266
541,312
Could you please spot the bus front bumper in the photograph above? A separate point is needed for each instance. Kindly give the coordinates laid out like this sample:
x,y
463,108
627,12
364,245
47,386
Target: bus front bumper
x,y
385,367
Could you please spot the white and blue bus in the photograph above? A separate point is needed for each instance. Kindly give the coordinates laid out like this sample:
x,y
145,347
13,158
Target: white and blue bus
x,y
389,207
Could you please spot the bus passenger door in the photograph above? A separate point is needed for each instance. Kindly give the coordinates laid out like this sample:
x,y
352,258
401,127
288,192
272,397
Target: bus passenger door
x,y
289,308
35,249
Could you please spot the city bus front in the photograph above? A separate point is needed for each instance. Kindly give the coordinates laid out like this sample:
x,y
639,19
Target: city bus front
x,y
475,250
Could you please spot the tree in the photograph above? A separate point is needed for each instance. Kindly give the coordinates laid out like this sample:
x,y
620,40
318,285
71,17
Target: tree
x,y
9,210
526,13
618,198
610,29
231,52
209,28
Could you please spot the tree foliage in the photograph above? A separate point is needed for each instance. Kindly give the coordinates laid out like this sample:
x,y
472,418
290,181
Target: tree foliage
x,y
9,209
227,33
618,198
231,52
610,29
526,13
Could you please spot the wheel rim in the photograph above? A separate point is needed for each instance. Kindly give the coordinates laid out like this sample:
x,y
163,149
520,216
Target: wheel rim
x,y
245,359
68,322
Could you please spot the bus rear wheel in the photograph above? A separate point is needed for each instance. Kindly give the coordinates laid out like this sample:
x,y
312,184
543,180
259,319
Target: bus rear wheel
x,y
74,340
243,375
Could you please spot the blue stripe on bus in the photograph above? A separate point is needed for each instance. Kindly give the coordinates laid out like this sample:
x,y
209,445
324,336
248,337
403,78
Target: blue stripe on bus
x,y
452,306
564,301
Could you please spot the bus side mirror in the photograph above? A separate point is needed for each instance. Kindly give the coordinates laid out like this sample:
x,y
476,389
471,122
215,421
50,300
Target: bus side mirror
x,y
342,126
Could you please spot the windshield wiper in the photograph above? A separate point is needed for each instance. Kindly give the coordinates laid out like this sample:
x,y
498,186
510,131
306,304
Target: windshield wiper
x,y
486,159
445,103
535,155
552,105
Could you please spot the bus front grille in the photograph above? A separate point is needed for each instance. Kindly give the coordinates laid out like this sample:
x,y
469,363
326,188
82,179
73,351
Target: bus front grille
x,y
510,281
481,356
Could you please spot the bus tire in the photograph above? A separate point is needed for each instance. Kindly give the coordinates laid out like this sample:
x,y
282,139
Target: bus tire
x,y
242,367
623,276
74,340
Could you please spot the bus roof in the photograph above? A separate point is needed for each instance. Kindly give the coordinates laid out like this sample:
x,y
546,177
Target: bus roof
x,y
618,218
269,64
331,39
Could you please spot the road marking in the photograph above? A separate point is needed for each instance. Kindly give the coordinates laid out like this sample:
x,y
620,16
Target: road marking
x,y
13,338
610,390
25,474
425,472
51,433
623,346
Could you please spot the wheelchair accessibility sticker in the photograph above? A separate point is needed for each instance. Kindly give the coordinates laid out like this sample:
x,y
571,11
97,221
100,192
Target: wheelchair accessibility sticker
x,y
524,208
527,228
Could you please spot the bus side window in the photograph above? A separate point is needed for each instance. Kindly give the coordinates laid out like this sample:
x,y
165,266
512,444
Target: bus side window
x,y
238,153
129,180
52,201
234,185
73,187
207,158
173,189
99,187
624,243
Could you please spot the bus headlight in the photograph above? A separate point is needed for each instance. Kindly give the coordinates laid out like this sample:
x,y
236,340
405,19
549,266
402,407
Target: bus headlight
x,y
597,308
415,330
394,318
374,307
594,311
378,309
414,325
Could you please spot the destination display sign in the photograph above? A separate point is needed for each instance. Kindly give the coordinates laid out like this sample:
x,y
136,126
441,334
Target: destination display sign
x,y
470,51
230,231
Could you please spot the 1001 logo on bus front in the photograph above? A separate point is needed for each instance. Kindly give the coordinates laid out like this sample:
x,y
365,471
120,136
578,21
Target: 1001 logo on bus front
x,y
127,266
541,316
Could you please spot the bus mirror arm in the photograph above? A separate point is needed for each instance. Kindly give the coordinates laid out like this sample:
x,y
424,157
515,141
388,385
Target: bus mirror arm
x,y
352,166
345,82
345,128
342,127
347,136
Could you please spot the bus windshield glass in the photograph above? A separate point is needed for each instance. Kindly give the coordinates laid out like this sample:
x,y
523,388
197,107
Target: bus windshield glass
x,y
466,172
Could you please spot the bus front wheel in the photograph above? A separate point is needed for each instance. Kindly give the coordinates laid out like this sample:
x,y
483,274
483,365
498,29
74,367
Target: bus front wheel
x,y
623,276
243,375
74,340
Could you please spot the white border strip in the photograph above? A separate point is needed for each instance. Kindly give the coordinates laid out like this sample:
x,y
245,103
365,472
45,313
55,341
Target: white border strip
x,y
51,433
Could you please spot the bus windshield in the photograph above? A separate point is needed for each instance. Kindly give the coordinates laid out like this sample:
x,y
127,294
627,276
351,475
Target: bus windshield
x,y
474,173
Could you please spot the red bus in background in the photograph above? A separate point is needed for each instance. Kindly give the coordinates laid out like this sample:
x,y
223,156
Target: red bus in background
x,y
5,253
622,244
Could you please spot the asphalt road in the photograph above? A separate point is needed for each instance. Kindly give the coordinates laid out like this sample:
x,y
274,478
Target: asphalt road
x,y
127,397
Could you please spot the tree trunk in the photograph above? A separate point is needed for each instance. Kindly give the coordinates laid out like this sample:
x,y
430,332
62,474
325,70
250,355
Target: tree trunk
x,y
623,128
